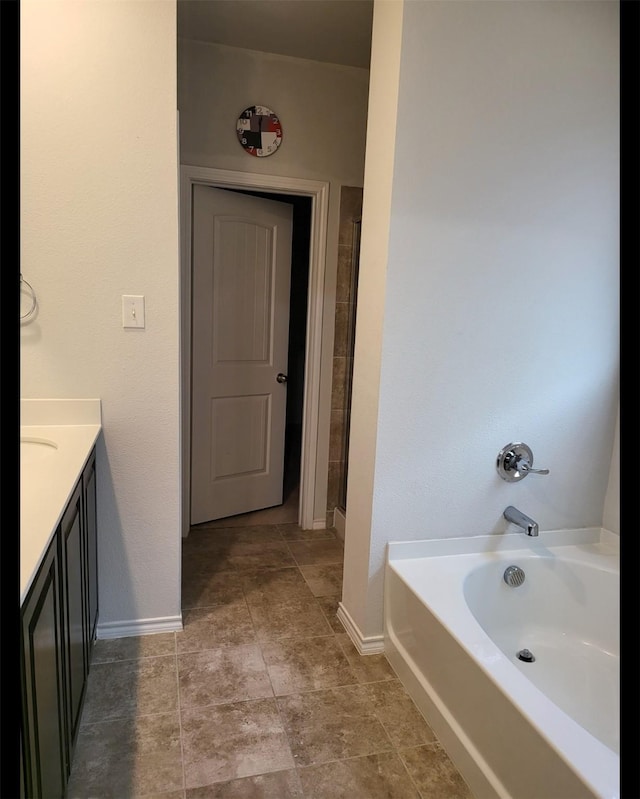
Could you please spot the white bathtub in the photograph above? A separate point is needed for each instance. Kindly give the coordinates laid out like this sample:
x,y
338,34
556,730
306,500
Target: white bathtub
x,y
548,729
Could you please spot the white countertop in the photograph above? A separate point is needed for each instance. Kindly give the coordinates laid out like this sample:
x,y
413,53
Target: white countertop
x,y
49,474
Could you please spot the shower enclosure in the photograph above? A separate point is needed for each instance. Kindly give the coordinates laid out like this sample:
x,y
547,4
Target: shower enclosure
x,y
346,294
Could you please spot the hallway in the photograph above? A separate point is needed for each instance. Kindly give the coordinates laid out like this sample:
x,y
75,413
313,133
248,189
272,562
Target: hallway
x,y
261,696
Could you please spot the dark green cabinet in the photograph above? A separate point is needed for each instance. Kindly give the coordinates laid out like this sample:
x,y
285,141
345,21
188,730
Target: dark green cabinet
x,y
89,493
43,709
72,534
22,788
58,623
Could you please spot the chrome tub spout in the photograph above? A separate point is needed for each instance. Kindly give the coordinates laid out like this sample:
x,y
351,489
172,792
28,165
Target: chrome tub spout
x,y
515,516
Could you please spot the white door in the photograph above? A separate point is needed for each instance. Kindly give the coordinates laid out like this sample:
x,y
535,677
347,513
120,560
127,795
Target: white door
x,y
240,330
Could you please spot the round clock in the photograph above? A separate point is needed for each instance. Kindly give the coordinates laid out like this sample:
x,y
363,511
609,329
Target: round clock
x,y
259,131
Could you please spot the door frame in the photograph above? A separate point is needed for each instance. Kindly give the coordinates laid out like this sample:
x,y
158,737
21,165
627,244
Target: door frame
x,y
318,191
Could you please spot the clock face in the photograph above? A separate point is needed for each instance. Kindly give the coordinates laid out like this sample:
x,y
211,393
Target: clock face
x,y
259,131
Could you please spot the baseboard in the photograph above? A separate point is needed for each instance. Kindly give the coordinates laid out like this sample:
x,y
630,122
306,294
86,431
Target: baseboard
x,y
366,645
126,629
339,522
319,524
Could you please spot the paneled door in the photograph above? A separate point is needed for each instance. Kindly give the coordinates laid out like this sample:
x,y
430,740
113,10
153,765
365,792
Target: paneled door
x,y
240,328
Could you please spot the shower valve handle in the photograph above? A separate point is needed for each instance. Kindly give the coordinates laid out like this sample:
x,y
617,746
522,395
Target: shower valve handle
x,y
515,461
523,465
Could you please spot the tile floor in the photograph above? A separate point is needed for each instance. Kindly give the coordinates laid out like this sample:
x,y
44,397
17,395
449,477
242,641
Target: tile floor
x,y
261,696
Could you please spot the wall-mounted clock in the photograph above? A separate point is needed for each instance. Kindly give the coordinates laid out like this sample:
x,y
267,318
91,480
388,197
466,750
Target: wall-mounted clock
x,y
259,130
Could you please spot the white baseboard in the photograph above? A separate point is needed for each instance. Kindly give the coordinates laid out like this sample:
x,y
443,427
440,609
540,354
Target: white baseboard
x,y
319,524
339,522
366,645
126,629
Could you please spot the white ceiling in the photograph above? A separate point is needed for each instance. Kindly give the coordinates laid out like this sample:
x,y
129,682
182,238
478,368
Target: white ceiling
x,y
334,31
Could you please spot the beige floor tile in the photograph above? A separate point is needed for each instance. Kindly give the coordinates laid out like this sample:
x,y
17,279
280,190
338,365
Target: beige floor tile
x,y
329,606
278,785
256,533
202,542
380,776
306,664
218,676
130,688
251,542
317,552
434,774
210,588
293,532
212,627
202,565
127,757
323,580
268,555
332,724
233,555
367,668
296,618
402,720
108,650
206,537
274,585
162,795
259,613
225,742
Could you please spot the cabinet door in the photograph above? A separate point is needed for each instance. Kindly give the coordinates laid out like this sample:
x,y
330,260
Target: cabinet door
x,y
73,602
89,484
22,777
43,713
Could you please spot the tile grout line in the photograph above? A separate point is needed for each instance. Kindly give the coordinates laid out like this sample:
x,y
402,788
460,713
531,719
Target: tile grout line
x,y
277,704
275,698
244,582
314,690
331,633
184,774
393,748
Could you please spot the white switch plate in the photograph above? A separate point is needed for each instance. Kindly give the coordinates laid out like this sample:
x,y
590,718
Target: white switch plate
x,y
133,310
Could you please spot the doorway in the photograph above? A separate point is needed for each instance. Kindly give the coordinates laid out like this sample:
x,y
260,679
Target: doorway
x,y
250,285
300,246
306,348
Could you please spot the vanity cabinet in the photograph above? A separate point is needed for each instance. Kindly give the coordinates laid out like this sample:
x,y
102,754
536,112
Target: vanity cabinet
x,y
58,622
73,545
43,704
89,493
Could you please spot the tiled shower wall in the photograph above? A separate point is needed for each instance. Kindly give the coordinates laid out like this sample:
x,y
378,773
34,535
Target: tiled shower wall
x,y
348,246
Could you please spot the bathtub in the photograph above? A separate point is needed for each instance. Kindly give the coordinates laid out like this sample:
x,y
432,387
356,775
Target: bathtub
x,y
546,729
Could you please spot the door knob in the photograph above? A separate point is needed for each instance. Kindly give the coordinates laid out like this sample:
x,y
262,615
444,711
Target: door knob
x,y
281,378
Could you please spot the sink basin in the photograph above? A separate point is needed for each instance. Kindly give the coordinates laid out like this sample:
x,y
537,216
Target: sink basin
x,y
36,450
47,442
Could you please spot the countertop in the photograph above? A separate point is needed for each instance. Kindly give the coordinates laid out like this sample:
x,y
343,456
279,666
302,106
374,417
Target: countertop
x,y
49,474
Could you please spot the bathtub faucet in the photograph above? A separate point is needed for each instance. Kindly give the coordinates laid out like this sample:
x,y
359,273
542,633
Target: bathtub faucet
x,y
512,514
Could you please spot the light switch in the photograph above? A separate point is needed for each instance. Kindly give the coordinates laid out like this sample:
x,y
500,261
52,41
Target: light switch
x,y
133,310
